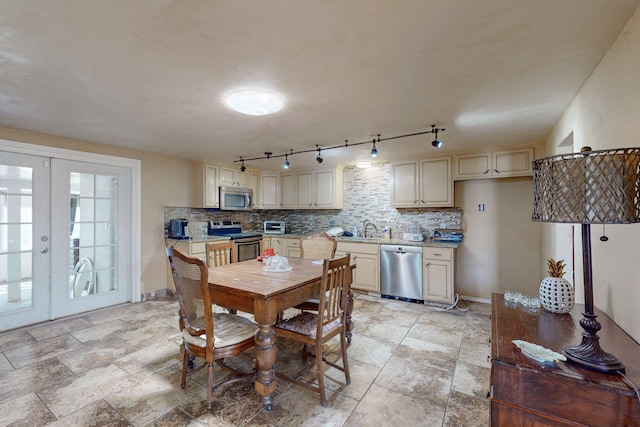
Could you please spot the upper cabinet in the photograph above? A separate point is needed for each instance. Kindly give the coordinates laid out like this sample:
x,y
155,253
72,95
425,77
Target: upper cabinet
x,y
269,191
206,185
494,164
424,183
233,177
320,189
287,188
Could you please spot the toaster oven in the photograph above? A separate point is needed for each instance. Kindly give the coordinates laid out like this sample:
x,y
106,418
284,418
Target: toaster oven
x,y
274,227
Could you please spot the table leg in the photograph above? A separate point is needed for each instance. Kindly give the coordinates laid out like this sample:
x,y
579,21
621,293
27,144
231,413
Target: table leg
x,y
265,360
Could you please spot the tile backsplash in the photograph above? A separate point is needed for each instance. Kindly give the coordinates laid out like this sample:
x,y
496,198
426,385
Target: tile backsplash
x,y
366,196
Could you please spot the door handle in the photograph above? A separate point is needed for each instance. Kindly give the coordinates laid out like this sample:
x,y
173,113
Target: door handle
x,y
44,249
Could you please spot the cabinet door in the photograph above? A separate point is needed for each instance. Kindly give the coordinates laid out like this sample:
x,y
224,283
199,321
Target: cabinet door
x,y
404,184
366,275
513,163
325,193
269,191
305,196
437,281
254,185
227,176
287,190
276,244
436,183
472,166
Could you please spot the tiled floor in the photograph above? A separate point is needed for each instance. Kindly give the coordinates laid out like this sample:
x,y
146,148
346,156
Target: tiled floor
x,y
410,366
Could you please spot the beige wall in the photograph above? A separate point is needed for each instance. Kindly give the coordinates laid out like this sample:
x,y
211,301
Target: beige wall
x,y
501,249
605,114
165,181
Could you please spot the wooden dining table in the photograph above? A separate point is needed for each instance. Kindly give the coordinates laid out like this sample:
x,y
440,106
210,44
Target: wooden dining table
x,y
244,286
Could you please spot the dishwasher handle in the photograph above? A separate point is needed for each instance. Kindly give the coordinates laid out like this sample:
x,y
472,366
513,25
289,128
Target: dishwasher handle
x,y
401,249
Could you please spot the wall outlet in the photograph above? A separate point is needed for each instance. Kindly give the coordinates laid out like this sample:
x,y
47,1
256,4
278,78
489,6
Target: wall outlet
x,y
332,223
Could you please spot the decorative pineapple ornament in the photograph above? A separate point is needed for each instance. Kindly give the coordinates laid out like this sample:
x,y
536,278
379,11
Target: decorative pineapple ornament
x,y
556,293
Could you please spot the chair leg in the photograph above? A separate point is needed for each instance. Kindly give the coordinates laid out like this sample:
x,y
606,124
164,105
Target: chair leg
x,y
345,361
323,396
185,363
209,385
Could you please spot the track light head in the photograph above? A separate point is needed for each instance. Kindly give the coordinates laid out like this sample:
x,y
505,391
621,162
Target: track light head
x,y
436,143
242,166
319,158
374,150
286,161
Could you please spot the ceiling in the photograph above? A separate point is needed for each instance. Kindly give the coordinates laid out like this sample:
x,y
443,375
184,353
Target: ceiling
x,y
152,75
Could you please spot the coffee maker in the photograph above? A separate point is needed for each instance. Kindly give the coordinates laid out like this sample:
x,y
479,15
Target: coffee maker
x,y
178,229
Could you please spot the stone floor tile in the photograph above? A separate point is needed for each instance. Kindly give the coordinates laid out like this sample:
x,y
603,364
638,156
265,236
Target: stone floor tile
x,y
464,410
450,336
33,378
102,353
416,379
85,390
11,340
58,328
471,379
428,353
103,331
97,414
370,350
25,410
384,407
150,399
41,350
175,417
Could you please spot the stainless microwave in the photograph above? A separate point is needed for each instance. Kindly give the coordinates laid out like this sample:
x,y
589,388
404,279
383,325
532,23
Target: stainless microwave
x,y
236,199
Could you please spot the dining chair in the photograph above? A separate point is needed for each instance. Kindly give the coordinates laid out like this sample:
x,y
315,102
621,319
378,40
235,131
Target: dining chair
x,y
207,335
317,246
219,254
315,329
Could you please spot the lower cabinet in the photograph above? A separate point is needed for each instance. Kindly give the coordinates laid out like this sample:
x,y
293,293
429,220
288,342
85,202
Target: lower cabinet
x,y
366,257
286,246
195,249
437,274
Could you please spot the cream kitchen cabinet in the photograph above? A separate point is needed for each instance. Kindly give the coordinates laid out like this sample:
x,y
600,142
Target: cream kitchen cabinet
x,y
494,164
287,191
233,177
196,249
437,274
320,189
286,246
269,191
206,185
423,183
366,257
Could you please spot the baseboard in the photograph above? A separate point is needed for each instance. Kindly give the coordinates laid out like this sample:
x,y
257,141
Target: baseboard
x,y
476,299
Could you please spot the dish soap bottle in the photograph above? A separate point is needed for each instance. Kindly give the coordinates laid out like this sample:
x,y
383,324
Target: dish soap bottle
x,y
387,233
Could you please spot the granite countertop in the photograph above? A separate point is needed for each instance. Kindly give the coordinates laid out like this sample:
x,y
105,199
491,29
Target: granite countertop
x,y
200,239
375,240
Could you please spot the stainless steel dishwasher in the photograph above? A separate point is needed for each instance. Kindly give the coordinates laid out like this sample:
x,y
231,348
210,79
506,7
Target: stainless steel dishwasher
x,y
401,272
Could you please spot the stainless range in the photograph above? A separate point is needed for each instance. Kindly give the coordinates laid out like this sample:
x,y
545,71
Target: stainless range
x,y
246,245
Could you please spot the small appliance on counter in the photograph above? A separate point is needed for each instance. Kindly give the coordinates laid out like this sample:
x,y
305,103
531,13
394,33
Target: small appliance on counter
x,y
447,235
335,232
413,234
274,227
178,228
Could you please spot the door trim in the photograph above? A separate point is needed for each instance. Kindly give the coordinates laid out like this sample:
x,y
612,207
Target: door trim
x,y
136,183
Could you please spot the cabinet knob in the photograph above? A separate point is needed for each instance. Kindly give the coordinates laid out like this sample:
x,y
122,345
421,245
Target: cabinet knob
x,y
496,171
486,172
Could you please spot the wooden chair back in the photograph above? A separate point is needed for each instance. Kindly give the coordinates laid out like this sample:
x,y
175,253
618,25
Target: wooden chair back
x,y
334,292
220,254
318,246
190,277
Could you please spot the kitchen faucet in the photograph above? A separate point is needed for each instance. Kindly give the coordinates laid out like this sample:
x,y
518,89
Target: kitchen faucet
x,y
365,224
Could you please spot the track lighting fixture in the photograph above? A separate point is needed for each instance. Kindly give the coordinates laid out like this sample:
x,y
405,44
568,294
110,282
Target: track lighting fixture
x,y
242,166
374,150
435,141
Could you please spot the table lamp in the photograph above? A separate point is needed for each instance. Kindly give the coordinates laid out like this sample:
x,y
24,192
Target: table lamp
x,y
589,187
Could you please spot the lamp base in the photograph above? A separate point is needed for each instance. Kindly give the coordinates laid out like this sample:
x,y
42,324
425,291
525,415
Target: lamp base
x,y
589,354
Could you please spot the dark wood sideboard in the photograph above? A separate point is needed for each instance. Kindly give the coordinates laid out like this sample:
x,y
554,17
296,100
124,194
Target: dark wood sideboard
x,y
527,393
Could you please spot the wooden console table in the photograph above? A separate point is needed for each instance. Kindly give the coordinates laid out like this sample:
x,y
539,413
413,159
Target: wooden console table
x,y
527,393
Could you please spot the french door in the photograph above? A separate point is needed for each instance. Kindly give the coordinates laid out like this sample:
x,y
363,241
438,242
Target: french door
x,y
65,237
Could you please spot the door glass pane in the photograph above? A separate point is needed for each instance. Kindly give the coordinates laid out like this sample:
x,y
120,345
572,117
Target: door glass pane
x,y
92,229
16,231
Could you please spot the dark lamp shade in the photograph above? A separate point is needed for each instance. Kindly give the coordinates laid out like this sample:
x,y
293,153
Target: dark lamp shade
x,y
590,187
